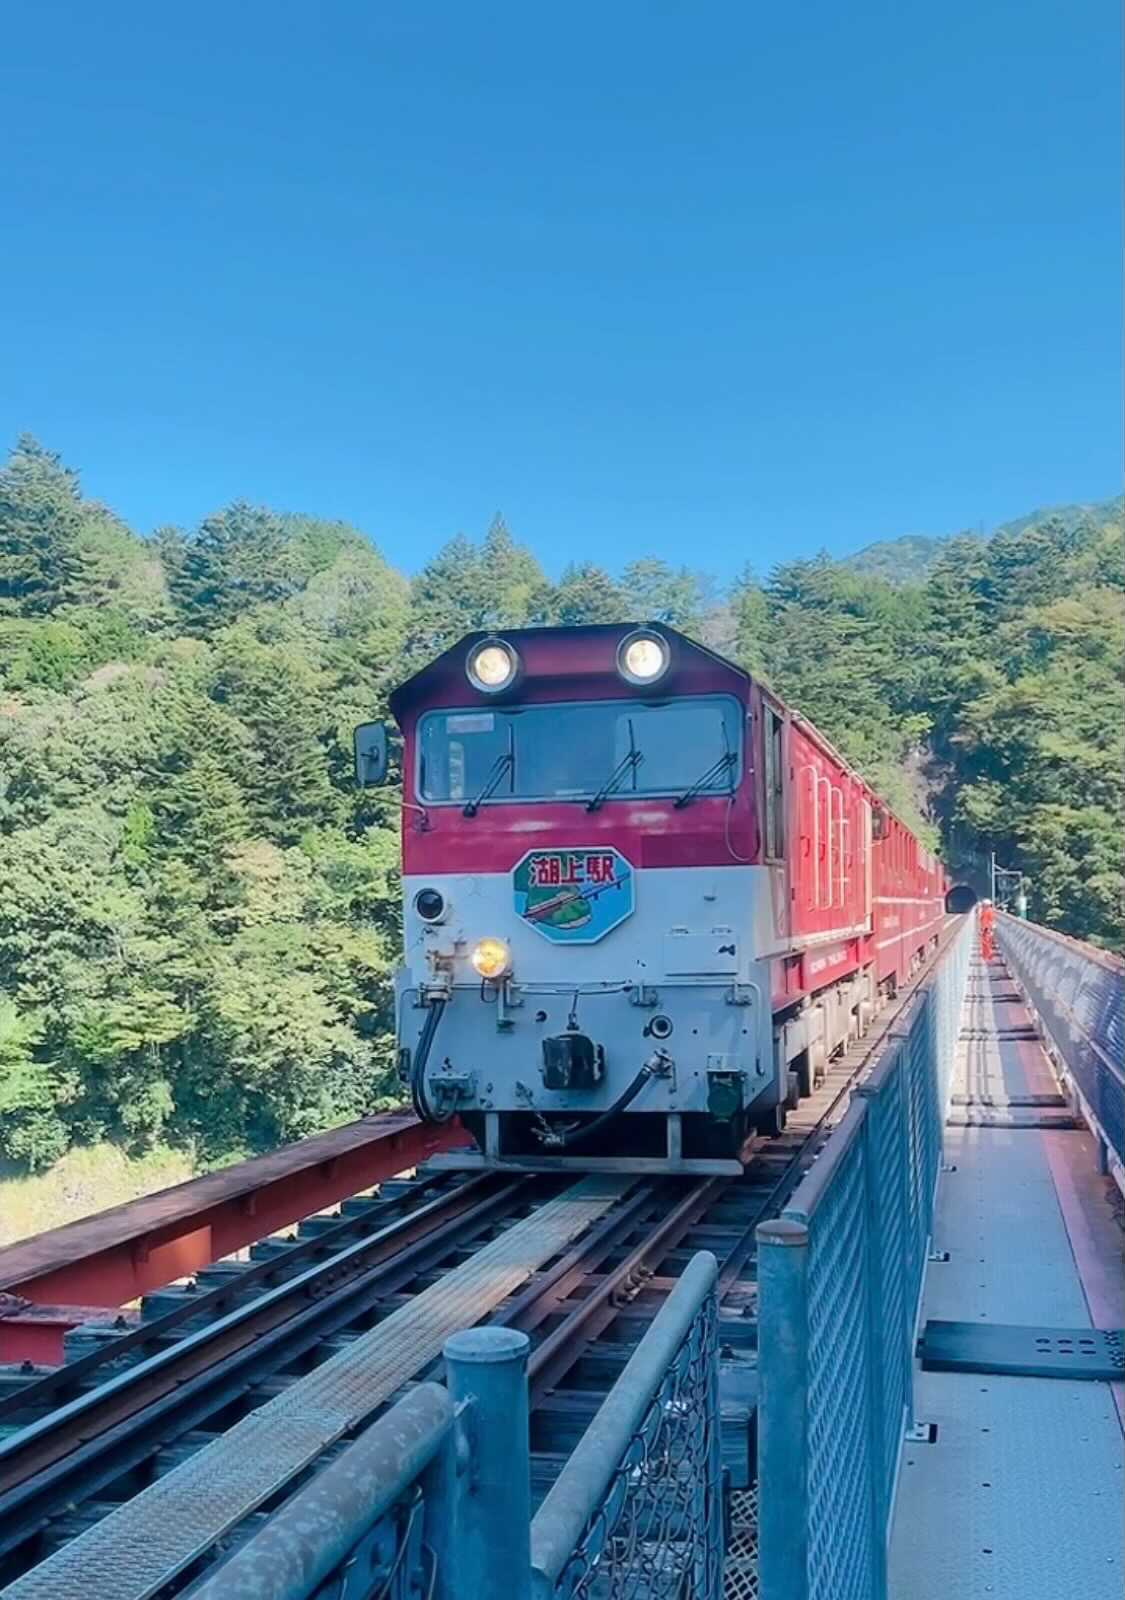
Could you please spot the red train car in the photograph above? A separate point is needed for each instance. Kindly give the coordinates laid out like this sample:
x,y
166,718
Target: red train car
x,y
644,901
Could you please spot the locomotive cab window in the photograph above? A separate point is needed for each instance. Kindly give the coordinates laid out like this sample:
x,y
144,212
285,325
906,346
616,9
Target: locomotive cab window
x,y
572,751
774,784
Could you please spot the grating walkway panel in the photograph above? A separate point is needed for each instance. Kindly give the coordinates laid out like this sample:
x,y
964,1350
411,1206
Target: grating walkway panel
x,y
740,1570
131,1553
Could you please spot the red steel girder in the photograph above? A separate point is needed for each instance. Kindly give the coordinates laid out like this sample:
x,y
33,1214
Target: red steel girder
x,y
108,1259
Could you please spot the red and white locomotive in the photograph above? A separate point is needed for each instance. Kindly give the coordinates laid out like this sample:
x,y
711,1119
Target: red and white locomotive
x,y
644,902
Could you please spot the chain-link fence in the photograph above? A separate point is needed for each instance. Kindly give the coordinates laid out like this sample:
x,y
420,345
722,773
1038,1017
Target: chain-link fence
x,y
840,1275
637,1511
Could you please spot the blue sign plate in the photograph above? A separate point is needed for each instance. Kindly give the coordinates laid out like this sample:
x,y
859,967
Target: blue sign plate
x,y
573,896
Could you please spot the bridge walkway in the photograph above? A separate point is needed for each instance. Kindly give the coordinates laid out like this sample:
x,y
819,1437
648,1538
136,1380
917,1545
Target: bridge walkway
x,y
1019,1491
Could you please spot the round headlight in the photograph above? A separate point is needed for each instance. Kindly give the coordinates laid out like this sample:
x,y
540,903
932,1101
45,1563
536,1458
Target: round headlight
x,y
643,658
430,905
492,666
491,958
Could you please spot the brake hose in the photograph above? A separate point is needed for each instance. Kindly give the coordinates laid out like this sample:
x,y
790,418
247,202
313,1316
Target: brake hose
x,y
626,1098
418,1065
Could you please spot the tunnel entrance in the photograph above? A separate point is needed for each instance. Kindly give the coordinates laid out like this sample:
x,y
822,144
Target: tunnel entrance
x,y
961,898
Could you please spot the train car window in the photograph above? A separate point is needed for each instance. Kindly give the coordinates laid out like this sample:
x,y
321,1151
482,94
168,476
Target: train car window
x,y
773,743
569,751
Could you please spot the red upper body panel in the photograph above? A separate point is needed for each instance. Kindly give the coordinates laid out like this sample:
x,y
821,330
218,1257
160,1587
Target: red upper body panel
x,y
565,665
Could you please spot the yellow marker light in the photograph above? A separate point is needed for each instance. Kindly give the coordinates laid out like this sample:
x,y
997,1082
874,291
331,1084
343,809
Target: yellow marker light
x,y
492,666
491,958
643,657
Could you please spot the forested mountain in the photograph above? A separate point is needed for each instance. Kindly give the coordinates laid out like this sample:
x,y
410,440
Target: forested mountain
x,y
198,913
910,559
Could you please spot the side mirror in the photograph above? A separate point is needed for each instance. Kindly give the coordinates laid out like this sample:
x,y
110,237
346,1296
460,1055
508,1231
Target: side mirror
x,y
370,754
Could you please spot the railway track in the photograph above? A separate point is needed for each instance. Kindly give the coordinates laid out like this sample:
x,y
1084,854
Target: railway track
x,y
82,1441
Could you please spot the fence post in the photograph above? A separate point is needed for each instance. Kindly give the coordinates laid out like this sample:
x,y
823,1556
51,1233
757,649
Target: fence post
x,y
783,1418
486,1371
709,1494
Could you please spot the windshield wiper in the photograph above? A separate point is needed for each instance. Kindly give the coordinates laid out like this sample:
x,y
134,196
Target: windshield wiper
x,y
503,764
725,763
628,764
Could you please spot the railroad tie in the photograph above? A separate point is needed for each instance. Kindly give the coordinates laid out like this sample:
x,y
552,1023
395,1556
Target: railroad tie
x,y
139,1547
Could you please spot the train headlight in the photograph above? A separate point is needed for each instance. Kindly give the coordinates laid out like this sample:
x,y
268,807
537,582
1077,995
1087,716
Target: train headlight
x,y
491,958
492,666
643,658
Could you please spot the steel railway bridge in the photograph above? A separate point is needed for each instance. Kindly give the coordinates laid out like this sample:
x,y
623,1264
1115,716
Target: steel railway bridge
x,y
887,1361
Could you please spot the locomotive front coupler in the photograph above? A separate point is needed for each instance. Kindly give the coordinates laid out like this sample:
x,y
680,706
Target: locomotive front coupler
x,y
658,1065
572,1060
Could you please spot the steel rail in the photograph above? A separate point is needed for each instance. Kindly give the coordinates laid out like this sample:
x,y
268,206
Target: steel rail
x,y
53,1465
562,1348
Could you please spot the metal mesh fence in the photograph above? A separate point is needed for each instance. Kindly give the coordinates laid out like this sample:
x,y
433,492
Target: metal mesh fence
x,y
658,1530
840,1275
1080,998
839,1468
891,1299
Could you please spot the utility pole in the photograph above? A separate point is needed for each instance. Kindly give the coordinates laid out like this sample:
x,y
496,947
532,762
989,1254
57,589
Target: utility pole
x,y
1008,887
992,876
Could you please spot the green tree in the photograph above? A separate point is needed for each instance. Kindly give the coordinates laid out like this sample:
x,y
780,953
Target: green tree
x,y
511,580
40,530
585,594
656,592
32,1097
237,559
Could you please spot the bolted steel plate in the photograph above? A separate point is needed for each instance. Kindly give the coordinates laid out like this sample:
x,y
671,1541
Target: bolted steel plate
x,y
1023,1351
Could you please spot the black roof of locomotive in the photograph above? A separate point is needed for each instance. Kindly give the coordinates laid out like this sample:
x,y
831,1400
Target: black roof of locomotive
x,y
439,670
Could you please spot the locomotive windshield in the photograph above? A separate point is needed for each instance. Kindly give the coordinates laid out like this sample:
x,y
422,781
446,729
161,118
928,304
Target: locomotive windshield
x,y
570,752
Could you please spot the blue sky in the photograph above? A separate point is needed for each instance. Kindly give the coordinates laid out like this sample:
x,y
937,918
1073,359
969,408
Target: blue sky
x,y
720,283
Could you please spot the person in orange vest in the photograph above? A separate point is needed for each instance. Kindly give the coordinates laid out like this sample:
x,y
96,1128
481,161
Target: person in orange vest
x,y
987,922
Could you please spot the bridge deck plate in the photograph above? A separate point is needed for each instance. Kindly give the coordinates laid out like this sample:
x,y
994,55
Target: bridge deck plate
x,y
984,1117
131,1553
1005,1101
1023,1351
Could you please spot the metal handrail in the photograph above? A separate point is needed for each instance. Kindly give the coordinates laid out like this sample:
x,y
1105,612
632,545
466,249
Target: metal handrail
x,y
811,1190
305,1541
580,1488
1103,958
812,772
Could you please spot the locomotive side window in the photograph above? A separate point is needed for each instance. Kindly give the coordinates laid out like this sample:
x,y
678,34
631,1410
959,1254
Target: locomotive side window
x,y
774,784
569,751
